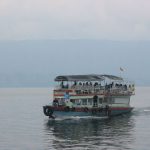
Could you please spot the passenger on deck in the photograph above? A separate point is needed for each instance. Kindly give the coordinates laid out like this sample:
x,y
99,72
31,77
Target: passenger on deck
x,y
129,86
55,102
95,84
95,100
66,96
80,83
116,85
67,86
87,83
62,84
125,87
75,83
69,104
133,88
111,85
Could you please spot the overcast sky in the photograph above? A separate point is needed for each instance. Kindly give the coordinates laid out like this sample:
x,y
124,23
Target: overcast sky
x,y
37,39
75,19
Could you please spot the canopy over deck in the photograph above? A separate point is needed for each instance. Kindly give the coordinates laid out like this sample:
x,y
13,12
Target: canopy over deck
x,y
112,77
86,78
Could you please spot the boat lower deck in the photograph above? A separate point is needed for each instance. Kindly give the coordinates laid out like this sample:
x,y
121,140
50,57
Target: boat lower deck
x,y
54,112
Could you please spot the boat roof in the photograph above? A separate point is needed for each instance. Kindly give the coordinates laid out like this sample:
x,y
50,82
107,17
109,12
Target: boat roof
x,y
92,77
112,77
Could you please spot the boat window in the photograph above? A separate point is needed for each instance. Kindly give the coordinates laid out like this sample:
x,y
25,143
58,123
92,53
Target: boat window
x,y
84,101
105,100
61,101
90,101
77,101
111,100
72,100
100,100
122,100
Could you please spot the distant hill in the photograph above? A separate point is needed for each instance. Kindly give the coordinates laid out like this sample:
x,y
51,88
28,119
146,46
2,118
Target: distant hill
x,y
36,63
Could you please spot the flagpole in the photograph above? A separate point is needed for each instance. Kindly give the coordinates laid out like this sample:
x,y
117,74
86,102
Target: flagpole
x,y
121,70
120,74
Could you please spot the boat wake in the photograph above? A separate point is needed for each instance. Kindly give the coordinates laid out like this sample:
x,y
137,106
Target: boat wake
x,y
79,118
141,111
147,110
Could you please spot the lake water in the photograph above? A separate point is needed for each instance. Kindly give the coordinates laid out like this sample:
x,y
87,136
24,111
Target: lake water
x,y
23,125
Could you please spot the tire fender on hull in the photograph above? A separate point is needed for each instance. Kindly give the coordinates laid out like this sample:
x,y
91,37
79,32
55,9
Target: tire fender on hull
x,y
48,111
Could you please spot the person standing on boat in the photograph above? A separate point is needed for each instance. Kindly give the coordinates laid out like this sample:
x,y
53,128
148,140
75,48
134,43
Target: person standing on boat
x,y
62,84
95,99
68,103
66,96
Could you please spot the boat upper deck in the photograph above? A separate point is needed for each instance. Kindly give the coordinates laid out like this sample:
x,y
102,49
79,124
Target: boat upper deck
x,y
84,85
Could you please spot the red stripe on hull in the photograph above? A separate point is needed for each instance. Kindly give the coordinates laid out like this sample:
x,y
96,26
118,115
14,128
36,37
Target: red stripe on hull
x,y
62,108
121,108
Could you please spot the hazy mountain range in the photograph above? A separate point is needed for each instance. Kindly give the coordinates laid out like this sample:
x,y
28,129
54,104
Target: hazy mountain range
x,y
36,63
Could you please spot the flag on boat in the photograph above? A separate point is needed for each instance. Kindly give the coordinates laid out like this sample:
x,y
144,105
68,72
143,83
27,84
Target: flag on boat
x,y
121,69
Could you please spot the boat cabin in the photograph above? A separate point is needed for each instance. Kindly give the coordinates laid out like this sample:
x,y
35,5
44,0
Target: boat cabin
x,y
92,91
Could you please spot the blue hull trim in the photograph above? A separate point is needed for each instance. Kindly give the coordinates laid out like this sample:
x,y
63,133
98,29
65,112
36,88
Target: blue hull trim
x,y
90,114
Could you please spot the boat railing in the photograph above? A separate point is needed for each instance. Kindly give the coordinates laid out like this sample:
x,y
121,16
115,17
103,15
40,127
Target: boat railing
x,y
87,89
121,91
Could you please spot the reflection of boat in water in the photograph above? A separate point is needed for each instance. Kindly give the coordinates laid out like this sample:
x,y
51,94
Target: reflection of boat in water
x,y
90,133
90,95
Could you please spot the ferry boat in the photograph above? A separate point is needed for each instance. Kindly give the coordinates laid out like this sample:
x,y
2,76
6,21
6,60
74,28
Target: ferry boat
x,y
90,96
